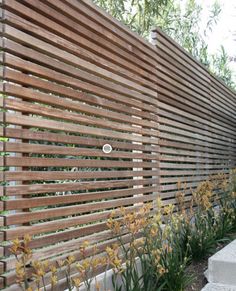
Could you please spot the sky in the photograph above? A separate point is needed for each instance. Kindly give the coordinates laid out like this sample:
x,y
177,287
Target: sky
x,y
225,30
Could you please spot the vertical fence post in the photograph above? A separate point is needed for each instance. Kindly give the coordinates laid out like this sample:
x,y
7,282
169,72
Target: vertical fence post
x,y
3,150
152,38
137,161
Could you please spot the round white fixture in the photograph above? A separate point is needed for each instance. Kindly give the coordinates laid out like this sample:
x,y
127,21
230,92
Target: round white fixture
x,y
107,148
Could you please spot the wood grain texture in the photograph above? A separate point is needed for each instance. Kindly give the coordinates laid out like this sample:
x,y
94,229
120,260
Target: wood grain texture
x,y
76,79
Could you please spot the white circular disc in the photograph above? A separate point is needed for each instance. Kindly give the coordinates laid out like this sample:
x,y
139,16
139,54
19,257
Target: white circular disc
x,y
107,148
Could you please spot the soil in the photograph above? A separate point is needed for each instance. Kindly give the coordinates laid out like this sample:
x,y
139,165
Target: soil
x,y
197,269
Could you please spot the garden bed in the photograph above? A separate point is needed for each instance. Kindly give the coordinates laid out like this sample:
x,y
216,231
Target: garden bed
x,y
171,258
197,269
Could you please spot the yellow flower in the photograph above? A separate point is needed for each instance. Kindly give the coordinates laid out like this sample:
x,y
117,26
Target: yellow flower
x,y
109,251
53,280
116,262
77,282
158,218
122,211
36,265
114,225
53,269
113,212
97,286
27,251
203,195
179,184
156,254
85,244
16,242
161,270
20,273
168,209
16,246
40,272
27,239
166,231
79,267
86,264
95,262
83,248
180,198
40,268
113,257
153,231
14,249
159,203
70,260
45,264
103,261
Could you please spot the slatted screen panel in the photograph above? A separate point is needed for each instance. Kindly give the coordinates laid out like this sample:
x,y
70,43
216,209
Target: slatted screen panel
x,y
197,120
75,79
73,83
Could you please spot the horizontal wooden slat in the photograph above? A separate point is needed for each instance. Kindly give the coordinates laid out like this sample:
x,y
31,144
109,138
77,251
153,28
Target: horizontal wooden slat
x,y
184,179
74,175
63,223
17,34
73,151
43,241
80,163
188,118
192,172
136,179
70,199
65,139
25,107
75,79
73,128
70,210
32,95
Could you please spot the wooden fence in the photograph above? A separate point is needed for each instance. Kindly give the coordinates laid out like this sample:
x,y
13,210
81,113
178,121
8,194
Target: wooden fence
x,y
74,80
196,116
